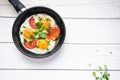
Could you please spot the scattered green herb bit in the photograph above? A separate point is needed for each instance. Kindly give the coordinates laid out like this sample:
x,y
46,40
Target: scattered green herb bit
x,y
48,19
40,18
32,37
47,49
108,74
25,40
21,33
24,26
101,75
38,24
59,36
48,42
36,46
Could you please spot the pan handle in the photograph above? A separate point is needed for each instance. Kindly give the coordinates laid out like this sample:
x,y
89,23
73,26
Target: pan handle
x,y
17,5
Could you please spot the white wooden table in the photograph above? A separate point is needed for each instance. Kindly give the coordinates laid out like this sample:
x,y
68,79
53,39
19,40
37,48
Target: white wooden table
x,y
92,40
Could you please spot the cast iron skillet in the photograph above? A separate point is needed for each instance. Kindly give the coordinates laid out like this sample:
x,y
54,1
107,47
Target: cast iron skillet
x,y
23,16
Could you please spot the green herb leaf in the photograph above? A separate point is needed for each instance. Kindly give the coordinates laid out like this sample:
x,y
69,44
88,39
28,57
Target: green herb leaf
x,y
97,78
38,30
41,29
94,74
100,78
105,67
102,75
42,35
39,24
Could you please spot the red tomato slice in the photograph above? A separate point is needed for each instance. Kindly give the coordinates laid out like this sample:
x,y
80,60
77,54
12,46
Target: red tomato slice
x,y
30,45
32,23
53,33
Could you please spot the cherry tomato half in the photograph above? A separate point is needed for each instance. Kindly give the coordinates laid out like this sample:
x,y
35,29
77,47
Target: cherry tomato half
x,y
32,23
53,33
30,45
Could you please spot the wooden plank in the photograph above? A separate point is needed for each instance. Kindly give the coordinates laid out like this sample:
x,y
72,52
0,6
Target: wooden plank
x,y
80,11
68,57
77,30
66,2
52,75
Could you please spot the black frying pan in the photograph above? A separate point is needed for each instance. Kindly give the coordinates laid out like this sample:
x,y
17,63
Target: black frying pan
x,y
27,13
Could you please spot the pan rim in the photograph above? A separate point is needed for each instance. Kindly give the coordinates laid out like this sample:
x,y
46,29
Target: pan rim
x,y
39,56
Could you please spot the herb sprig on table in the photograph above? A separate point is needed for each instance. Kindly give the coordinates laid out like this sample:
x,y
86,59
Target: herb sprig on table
x,y
101,74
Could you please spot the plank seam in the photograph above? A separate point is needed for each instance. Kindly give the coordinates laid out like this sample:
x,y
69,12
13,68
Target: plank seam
x,y
77,43
74,18
58,69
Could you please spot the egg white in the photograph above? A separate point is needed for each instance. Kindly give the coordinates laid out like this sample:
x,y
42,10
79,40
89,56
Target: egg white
x,y
26,23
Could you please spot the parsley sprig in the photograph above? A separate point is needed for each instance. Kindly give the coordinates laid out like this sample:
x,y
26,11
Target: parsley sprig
x,y
101,74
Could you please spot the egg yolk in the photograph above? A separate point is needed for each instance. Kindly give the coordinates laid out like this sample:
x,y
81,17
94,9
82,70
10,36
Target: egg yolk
x,y
28,33
46,23
42,44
